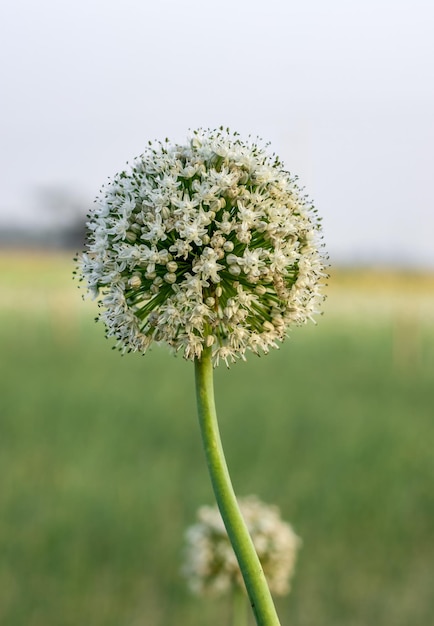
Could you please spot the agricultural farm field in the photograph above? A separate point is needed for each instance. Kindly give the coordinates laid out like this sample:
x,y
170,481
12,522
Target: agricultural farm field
x,y
102,469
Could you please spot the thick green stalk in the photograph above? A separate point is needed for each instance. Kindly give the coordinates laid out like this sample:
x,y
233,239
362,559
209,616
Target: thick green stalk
x,y
251,569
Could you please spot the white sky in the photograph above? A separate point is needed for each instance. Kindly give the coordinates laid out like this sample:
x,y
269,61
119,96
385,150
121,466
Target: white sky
x,y
343,90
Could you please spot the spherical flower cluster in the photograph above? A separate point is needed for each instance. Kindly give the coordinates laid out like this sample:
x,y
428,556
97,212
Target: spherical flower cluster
x,y
210,566
211,243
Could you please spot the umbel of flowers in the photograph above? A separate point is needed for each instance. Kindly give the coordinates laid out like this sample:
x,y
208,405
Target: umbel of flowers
x,y
210,566
207,244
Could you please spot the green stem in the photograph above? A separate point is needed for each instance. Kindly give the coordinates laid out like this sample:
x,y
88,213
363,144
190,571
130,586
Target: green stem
x,y
256,584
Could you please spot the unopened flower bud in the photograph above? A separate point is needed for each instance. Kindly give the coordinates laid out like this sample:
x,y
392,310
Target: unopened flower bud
x,y
170,278
235,270
172,266
209,340
135,281
131,237
232,259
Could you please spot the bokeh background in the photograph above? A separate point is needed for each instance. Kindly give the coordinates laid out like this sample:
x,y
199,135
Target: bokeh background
x,y
101,467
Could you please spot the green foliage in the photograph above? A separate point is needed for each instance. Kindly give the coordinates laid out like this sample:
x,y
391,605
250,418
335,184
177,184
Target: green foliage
x,y
102,470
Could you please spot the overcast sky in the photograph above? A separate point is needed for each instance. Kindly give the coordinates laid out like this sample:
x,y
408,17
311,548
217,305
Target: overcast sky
x,y
344,91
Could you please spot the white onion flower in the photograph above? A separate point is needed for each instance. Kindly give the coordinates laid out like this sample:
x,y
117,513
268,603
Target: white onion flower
x,y
210,566
208,243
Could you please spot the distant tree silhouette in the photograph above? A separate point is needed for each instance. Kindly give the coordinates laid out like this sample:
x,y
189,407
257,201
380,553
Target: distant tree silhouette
x,y
67,210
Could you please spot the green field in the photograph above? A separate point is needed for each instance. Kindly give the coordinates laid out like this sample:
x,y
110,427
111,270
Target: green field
x,y
102,468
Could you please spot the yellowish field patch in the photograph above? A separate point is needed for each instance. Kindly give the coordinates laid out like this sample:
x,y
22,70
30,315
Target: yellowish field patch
x,y
36,281
381,293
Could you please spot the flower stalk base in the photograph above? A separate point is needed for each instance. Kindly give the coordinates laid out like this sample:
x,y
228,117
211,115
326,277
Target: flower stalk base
x,y
251,569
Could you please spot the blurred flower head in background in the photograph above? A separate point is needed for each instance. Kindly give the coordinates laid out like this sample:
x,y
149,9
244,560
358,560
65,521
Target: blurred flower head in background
x,y
211,243
210,566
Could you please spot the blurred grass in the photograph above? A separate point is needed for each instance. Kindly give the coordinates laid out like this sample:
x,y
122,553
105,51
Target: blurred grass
x,y
102,469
